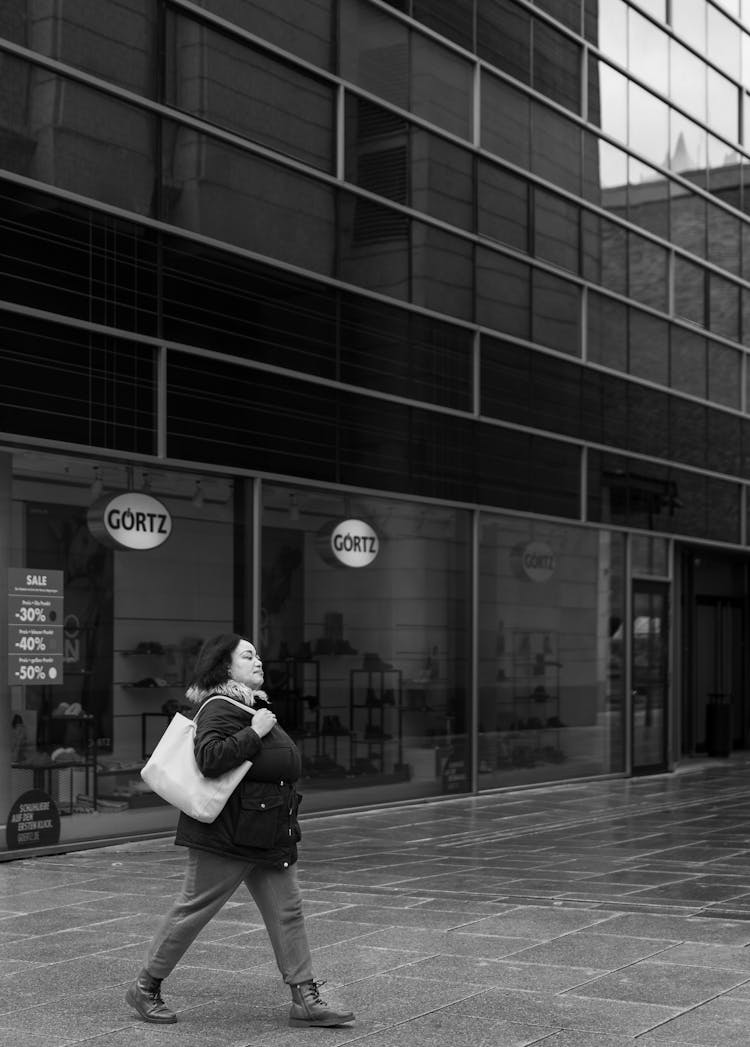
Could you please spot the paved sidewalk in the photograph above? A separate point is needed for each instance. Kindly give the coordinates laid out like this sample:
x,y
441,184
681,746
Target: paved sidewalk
x,y
584,915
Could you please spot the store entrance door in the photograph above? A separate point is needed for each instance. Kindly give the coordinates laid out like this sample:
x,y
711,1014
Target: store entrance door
x,y
718,668
650,676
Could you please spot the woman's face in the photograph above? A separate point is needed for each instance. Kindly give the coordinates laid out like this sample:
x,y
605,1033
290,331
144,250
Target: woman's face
x,y
245,666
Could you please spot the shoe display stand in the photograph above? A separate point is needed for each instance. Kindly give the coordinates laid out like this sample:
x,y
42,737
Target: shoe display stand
x,y
293,685
375,703
150,670
64,744
529,705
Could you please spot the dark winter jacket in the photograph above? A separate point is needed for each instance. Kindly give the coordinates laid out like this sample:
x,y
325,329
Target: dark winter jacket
x,y
259,822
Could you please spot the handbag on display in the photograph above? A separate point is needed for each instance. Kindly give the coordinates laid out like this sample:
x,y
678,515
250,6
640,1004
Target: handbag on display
x,y
172,771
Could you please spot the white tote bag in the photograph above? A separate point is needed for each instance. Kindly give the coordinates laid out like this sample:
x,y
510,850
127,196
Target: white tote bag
x,y
173,774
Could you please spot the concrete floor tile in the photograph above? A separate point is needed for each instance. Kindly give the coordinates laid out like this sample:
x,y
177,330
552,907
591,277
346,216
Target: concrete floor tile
x,y
568,1011
719,1023
500,973
584,948
672,984
542,923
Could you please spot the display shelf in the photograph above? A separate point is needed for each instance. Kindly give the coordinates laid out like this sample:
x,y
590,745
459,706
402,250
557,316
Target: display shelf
x,y
528,709
373,692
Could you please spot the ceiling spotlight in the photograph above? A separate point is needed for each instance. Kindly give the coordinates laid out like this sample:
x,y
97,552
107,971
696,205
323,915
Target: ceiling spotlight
x,y
97,486
197,499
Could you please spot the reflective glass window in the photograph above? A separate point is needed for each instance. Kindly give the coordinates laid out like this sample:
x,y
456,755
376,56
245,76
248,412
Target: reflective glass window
x,y
556,230
120,48
73,274
689,290
607,332
230,195
688,148
249,92
723,41
453,19
688,215
687,80
502,206
689,22
556,66
374,246
612,24
568,12
302,27
723,233
214,298
648,48
687,431
653,7
403,66
73,137
504,37
688,362
723,106
442,179
648,348
528,473
745,49
556,312
506,121
648,124
613,176
724,307
556,148
723,374
538,707
608,90
62,379
441,271
648,198
649,556
503,290
724,443
388,155
647,271
401,352
604,254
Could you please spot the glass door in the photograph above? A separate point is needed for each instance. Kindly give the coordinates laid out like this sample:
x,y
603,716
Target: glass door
x,y
650,676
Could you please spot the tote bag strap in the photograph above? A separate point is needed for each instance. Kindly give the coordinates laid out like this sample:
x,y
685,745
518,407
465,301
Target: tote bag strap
x,y
224,698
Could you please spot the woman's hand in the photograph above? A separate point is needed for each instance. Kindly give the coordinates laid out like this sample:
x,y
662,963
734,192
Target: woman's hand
x,y
263,721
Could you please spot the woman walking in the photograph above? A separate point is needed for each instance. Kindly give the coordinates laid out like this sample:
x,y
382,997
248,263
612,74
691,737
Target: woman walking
x,y
253,841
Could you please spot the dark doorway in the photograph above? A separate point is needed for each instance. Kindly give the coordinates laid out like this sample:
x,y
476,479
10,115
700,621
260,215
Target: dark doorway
x,y
715,652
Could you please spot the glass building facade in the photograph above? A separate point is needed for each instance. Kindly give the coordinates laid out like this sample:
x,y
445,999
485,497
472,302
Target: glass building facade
x,y
408,339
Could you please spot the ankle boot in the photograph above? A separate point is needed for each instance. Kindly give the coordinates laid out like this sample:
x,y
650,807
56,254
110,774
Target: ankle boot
x,y
145,995
308,1009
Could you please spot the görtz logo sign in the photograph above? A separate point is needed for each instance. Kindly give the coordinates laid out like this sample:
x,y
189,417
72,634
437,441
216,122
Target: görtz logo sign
x,y
535,561
130,521
349,543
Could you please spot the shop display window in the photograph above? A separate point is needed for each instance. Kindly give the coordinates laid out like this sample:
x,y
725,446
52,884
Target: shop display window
x,y
365,632
551,606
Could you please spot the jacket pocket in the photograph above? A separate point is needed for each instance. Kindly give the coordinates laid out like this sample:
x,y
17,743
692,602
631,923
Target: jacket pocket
x,y
258,821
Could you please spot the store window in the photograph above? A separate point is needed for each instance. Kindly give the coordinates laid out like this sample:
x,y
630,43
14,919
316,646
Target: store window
x,y
551,685
107,607
364,634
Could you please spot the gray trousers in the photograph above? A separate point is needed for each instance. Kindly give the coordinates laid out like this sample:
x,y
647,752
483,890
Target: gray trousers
x,y
210,881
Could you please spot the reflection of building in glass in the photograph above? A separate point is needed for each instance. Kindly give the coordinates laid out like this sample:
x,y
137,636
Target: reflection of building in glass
x,y
468,282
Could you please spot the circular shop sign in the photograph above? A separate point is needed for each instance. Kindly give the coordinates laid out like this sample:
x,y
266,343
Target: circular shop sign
x,y
33,821
535,561
130,521
349,543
